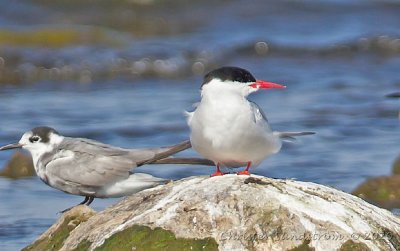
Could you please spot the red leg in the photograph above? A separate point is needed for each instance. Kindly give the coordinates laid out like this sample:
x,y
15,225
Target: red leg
x,y
245,172
218,172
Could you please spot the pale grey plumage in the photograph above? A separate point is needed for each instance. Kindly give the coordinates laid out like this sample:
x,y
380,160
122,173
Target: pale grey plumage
x,y
94,164
89,168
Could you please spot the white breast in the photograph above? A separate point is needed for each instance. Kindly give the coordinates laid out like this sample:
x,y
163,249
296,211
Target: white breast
x,y
225,129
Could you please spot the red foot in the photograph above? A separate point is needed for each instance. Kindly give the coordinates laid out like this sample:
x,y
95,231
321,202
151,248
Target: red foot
x,y
217,173
245,172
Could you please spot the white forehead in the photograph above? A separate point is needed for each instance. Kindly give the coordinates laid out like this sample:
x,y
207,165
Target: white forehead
x,y
217,86
25,137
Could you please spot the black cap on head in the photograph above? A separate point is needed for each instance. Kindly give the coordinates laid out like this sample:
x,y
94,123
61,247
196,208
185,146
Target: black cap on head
x,y
43,132
229,73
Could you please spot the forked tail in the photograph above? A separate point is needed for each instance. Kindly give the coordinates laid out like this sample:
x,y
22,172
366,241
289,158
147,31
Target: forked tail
x,y
291,135
164,152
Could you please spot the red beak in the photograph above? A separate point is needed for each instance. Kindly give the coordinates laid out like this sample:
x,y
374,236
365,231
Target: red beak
x,y
261,84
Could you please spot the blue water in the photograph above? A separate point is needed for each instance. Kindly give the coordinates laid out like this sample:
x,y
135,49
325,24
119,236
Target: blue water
x,y
338,58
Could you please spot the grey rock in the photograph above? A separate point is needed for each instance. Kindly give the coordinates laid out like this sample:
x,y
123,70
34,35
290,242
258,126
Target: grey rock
x,y
241,213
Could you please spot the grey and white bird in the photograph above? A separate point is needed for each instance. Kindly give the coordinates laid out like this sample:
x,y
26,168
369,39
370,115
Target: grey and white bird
x,y
92,169
229,129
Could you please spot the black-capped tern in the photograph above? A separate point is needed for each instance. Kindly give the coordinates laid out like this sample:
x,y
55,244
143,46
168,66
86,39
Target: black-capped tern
x,y
229,129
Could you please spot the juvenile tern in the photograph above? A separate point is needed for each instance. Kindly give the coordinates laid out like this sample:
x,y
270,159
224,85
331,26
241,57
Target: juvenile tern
x,y
92,169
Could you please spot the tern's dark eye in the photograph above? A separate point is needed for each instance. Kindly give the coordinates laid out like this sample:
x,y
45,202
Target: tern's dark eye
x,y
34,139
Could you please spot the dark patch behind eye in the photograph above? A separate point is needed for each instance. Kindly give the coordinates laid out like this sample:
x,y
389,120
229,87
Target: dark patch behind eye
x,y
43,132
34,138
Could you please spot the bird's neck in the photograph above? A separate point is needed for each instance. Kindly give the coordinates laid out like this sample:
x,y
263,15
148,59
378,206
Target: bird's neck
x,y
37,155
41,150
37,164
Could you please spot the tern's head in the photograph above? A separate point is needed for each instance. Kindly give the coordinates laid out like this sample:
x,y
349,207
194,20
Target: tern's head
x,y
37,141
234,80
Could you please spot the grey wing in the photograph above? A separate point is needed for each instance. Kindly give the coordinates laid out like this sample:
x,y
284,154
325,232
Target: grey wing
x,y
96,148
89,170
259,115
91,163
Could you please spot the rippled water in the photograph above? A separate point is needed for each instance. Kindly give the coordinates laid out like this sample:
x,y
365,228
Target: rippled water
x,y
123,73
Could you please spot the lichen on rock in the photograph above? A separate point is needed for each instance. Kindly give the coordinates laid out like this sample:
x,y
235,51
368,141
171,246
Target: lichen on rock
x,y
351,245
55,236
143,238
237,213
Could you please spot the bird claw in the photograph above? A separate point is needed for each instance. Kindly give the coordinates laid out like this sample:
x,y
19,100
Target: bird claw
x,y
66,210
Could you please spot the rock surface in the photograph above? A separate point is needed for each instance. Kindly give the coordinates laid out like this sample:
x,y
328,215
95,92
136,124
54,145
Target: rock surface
x,y
383,191
396,166
54,237
20,165
236,213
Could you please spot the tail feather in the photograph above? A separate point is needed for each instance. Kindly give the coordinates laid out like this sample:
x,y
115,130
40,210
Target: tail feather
x,y
165,152
185,161
291,135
